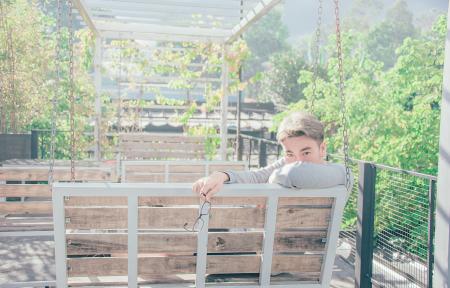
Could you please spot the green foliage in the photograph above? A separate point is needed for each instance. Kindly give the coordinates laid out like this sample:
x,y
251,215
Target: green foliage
x,y
264,38
280,82
28,40
393,118
383,40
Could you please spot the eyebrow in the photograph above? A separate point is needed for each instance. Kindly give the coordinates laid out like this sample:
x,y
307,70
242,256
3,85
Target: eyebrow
x,y
304,149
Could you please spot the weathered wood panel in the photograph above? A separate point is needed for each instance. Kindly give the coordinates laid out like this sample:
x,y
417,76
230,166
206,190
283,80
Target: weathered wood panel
x,y
25,190
176,217
223,264
29,207
164,201
289,218
60,174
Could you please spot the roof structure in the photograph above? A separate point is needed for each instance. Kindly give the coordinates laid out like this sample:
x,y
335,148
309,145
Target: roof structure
x,y
172,20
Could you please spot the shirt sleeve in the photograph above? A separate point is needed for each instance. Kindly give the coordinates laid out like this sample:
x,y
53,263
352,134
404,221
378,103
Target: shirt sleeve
x,y
252,177
310,175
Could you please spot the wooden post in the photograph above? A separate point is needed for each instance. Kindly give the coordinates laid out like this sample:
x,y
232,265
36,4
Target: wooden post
x,y
365,225
441,275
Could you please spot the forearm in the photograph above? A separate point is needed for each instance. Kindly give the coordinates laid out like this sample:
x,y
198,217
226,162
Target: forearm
x,y
252,177
309,175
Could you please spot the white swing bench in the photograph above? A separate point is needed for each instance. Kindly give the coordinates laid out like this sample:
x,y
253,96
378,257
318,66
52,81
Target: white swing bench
x,y
131,234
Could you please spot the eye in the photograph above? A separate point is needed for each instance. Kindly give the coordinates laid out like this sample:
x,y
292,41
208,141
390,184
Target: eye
x,y
307,153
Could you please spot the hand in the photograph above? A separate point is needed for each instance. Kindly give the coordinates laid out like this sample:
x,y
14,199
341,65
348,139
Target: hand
x,y
208,186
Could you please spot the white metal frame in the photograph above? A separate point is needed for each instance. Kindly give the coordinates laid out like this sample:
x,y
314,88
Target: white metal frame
x,y
207,164
441,273
271,191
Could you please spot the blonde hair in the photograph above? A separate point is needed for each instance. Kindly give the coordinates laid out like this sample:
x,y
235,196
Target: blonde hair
x,y
301,124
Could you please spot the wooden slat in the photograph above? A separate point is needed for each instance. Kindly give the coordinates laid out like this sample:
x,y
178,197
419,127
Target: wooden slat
x,y
163,218
101,218
185,177
31,207
26,224
25,190
142,178
289,218
300,241
95,201
60,174
226,167
162,155
144,137
160,218
319,201
144,168
296,263
85,244
188,168
222,264
162,146
88,244
170,201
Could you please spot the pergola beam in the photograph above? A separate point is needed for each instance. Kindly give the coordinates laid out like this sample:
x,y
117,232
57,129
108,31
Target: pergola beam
x,y
160,29
441,271
167,4
127,35
87,17
261,9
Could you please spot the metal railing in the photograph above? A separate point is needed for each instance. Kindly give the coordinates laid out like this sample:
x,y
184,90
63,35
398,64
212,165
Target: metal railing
x,y
388,221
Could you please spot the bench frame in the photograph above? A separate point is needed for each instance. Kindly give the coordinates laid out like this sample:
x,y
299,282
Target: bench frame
x,y
132,191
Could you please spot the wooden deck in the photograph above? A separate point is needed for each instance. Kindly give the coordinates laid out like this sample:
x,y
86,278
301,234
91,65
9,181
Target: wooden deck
x,y
24,259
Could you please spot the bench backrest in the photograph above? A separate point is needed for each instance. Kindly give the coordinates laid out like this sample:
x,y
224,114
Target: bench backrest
x,y
255,235
174,171
160,146
29,185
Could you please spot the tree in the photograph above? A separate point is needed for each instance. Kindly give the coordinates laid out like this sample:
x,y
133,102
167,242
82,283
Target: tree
x,y
266,37
386,37
280,81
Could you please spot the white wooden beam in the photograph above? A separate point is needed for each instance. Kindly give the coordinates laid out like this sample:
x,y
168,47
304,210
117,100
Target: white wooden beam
x,y
158,37
80,5
224,107
161,29
261,9
204,8
98,91
441,275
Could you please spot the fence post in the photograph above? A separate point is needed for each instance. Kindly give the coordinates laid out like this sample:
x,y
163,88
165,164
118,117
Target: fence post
x,y
240,148
431,223
262,154
365,225
34,144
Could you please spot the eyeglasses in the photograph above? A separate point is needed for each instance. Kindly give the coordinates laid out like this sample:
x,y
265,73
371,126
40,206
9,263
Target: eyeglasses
x,y
199,222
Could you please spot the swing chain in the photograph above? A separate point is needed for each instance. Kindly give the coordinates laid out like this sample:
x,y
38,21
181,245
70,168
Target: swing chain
x,y
57,90
71,92
342,96
316,54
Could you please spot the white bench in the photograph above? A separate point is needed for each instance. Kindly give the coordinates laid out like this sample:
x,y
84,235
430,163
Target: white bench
x,y
133,233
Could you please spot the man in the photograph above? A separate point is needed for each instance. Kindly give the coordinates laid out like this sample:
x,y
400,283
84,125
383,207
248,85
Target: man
x,y
303,166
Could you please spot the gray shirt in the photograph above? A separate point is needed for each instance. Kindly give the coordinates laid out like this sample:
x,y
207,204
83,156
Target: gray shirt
x,y
294,175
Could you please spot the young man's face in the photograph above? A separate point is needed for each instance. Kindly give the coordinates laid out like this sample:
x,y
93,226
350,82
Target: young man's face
x,y
303,148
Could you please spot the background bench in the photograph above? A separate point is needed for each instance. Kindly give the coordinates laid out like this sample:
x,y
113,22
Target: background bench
x,y
161,146
174,171
105,233
26,203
